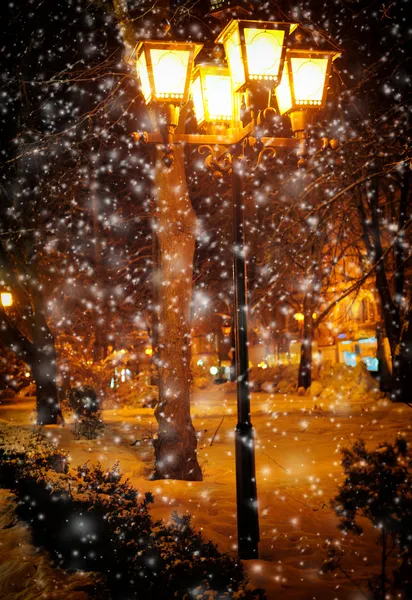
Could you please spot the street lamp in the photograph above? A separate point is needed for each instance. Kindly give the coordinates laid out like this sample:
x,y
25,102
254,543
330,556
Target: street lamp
x,y
255,51
6,299
304,84
165,72
226,329
256,54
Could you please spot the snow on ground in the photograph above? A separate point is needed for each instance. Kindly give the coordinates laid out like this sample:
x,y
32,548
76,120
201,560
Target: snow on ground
x,y
298,469
26,573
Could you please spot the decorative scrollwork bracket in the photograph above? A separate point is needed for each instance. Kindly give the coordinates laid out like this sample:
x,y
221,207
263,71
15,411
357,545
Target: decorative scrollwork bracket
x,y
217,161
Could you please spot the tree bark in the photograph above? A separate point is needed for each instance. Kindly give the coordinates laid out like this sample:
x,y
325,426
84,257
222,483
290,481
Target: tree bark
x,y
44,370
44,373
385,376
402,363
305,366
36,345
175,445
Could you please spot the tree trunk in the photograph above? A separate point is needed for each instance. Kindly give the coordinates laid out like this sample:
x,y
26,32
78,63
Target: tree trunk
x,y
43,367
402,363
305,366
175,445
385,376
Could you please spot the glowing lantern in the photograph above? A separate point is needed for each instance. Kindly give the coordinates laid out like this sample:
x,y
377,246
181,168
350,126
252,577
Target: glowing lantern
x,y
255,51
304,82
226,329
212,95
6,299
165,70
299,317
148,351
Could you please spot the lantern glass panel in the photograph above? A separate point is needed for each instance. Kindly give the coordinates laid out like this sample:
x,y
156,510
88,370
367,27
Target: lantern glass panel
x,y
218,94
197,97
144,76
264,52
283,94
170,69
309,78
6,299
233,51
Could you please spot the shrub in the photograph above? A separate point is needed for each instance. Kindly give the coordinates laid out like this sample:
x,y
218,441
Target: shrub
x,y
92,519
378,487
88,420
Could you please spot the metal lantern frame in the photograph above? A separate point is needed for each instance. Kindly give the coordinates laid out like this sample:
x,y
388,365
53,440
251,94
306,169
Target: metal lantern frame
x,y
144,48
291,53
240,25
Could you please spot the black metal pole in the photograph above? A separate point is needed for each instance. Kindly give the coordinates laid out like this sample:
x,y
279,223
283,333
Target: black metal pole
x,y
246,492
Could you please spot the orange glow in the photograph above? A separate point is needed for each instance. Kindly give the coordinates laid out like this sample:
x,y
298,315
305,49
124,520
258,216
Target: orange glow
x,y
6,299
148,351
165,70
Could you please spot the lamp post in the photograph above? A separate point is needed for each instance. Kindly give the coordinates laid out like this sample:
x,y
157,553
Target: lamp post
x,y
258,61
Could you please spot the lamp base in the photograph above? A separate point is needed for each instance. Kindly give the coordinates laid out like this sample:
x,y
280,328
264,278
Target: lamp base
x,y
300,119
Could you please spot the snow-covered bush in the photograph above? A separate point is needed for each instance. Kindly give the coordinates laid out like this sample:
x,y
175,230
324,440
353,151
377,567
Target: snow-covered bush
x,y
91,519
342,383
282,379
378,487
88,419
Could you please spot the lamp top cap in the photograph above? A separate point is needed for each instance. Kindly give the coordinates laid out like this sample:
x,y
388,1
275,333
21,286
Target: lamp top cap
x,y
164,44
319,52
257,24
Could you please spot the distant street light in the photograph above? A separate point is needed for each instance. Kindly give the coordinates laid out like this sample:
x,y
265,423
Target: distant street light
x,y
260,57
226,329
6,299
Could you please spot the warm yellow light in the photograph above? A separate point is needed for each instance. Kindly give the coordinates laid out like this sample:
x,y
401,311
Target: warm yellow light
x,y
255,51
148,351
197,97
144,76
264,53
234,57
6,299
283,93
309,76
169,72
262,365
212,94
304,79
299,317
165,70
27,374
218,91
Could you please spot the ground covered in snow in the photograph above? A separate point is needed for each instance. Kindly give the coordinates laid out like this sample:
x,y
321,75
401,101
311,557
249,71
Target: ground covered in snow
x,y
298,441
26,573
